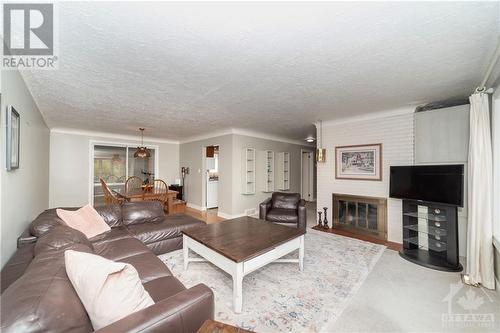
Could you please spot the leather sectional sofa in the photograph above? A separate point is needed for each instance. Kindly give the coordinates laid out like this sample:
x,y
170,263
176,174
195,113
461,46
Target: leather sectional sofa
x,y
37,295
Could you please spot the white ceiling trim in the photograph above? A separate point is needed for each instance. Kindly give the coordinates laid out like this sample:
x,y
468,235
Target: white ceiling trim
x,y
72,131
372,116
240,131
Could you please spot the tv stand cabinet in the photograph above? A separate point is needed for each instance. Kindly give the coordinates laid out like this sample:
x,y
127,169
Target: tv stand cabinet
x,y
430,235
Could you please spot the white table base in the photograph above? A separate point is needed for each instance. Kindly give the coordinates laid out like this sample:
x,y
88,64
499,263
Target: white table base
x,y
240,269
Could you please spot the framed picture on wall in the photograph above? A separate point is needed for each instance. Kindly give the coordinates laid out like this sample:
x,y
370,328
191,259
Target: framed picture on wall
x,y
363,162
13,138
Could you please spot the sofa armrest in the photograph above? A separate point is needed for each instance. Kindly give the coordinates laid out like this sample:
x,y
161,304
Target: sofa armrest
x,y
26,238
183,312
264,207
302,212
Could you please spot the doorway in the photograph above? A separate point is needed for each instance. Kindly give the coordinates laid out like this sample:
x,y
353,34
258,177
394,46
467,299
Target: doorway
x,y
211,177
307,175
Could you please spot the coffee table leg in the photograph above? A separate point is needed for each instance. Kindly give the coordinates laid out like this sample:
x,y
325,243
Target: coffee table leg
x,y
301,254
185,252
238,288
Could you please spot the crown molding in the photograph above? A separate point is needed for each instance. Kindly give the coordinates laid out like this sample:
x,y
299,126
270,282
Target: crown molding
x,y
372,116
63,130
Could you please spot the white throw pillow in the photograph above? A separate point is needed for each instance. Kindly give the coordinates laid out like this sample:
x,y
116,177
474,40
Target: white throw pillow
x,y
108,290
86,220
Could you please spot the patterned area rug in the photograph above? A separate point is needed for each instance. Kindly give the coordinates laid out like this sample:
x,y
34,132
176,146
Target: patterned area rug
x,y
280,298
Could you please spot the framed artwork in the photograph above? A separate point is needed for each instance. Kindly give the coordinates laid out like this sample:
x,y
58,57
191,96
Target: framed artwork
x,y
13,138
363,162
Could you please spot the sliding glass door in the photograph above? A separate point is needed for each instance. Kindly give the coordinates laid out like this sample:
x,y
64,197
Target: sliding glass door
x,y
114,164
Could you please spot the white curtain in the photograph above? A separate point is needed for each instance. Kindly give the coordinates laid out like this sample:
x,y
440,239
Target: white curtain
x,y
480,191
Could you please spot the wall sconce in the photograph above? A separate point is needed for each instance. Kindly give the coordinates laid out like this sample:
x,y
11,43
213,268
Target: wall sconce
x,y
320,151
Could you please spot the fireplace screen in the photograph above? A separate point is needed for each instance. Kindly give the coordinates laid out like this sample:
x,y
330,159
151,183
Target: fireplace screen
x,y
362,214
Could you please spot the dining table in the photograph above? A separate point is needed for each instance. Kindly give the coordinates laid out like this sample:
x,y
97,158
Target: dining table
x,y
147,193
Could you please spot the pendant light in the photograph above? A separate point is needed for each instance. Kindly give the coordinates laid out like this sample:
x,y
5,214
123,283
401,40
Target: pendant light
x,y
142,151
320,151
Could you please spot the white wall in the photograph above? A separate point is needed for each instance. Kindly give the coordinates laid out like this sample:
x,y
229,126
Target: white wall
x,y
442,137
394,130
191,155
24,191
70,163
243,202
231,202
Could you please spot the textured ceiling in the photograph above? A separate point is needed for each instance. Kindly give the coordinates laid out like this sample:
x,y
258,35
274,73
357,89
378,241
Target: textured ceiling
x,y
186,69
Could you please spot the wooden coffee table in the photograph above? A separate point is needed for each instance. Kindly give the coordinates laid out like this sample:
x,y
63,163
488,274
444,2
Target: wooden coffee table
x,y
241,246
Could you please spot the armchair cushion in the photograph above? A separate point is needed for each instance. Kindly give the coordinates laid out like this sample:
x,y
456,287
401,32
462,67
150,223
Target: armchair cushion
x,y
285,200
282,215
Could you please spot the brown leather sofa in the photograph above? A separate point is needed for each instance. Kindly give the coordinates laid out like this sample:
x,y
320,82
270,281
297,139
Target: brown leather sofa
x,y
284,208
37,295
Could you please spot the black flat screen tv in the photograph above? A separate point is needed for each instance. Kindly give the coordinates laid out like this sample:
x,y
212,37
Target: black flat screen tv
x,y
432,183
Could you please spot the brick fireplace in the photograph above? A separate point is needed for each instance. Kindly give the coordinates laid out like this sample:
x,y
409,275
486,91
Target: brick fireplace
x,y
363,215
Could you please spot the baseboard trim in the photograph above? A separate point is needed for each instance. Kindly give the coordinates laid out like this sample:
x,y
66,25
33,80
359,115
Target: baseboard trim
x,y
229,216
192,205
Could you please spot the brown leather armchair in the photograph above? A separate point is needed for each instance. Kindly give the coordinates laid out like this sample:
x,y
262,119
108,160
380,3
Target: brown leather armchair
x,y
286,208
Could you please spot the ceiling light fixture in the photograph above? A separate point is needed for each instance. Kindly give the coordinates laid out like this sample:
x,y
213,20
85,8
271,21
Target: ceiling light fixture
x,y
320,151
142,151
310,139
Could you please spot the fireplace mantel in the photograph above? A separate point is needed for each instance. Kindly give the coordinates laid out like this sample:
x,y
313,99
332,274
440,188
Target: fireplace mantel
x,y
360,214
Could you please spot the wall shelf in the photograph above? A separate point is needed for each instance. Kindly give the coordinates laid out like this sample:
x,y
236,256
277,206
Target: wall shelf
x,y
283,171
266,162
249,175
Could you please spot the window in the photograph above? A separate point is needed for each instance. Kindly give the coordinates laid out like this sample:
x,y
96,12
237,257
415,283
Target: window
x,y
114,164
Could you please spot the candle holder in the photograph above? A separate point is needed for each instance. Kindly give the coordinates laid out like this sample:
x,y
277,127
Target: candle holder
x,y
325,221
319,218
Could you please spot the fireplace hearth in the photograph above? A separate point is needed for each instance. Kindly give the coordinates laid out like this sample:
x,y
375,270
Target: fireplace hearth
x,y
361,215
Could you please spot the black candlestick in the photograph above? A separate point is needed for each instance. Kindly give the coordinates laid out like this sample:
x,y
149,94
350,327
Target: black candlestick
x,y
319,218
325,221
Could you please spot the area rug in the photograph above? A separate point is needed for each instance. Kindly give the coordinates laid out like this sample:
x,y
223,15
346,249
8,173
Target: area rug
x,y
280,298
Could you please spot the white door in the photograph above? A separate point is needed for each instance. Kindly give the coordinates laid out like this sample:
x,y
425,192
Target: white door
x,y
307,170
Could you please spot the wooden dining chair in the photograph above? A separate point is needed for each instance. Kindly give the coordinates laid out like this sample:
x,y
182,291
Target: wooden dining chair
x,y
112,179
109,197
133,182
160,189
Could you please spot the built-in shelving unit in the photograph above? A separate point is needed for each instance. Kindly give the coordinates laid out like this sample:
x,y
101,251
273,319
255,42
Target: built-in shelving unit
x,y
249,170
266,162
283,171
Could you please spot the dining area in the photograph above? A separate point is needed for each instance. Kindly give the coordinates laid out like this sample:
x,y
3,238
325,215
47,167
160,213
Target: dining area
x,y
137,189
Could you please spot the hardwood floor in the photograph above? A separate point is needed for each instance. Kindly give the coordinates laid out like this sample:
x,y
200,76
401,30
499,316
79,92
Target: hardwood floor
x,y
208,216
390,245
